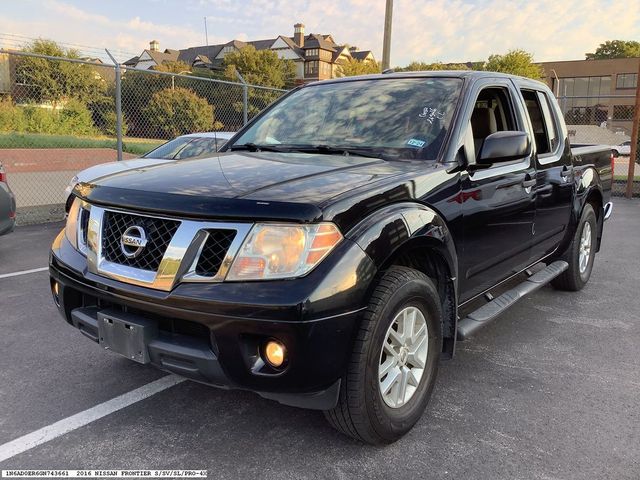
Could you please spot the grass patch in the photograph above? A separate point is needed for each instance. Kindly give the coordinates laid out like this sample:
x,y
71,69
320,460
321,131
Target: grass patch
x,y
136,146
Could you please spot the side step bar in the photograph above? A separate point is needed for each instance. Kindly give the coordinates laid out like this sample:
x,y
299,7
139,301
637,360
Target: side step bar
x,y
490,311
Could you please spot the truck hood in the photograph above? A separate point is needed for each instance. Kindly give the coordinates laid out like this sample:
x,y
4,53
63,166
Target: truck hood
x,y
283,186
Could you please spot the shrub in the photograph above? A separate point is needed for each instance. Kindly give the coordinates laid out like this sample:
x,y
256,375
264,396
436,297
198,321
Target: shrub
x,y
178,111
103,112
11,118
40,120
75,118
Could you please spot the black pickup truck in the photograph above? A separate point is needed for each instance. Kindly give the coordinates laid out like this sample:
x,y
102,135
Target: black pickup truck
x,y
328,257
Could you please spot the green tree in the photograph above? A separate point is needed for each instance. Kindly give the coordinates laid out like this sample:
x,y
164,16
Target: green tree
x,y
137,90
354,67
56,81
173,67
515,62
615,49
260,67
179,111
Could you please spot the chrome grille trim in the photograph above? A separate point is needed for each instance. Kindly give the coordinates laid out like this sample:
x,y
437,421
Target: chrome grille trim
x,y
179,261
82,228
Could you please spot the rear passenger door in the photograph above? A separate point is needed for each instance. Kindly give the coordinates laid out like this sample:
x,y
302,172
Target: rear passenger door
x,y
498,203
554,179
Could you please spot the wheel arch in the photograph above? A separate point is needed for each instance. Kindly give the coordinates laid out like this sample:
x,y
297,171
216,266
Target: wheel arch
x,y
590,191
415,236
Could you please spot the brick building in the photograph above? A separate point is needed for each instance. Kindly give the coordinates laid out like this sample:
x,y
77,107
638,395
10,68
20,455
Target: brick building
x,y
596,92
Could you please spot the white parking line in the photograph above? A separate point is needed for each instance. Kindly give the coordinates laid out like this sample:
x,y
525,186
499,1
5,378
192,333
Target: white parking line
x,y
33,439
23,272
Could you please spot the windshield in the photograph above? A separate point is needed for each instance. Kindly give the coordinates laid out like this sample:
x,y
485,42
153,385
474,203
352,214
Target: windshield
x,y
400,118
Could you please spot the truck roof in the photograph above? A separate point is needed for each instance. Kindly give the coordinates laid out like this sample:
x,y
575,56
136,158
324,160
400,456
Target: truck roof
x,y
467,74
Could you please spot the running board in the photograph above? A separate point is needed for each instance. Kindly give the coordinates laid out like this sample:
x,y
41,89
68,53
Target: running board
x,y
490,311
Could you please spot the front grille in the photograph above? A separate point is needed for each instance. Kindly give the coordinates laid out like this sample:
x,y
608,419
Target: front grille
x,y
214,251
159,233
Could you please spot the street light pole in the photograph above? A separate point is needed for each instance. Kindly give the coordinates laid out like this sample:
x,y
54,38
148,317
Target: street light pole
x,y
386,43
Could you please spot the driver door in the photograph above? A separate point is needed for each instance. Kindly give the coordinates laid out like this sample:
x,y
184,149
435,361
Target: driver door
x,y
498,202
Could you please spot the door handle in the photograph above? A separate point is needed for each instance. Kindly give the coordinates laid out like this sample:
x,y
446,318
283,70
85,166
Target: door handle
x,y
566,172
528,183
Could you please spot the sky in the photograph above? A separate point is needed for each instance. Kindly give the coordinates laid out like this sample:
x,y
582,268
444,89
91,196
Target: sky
x,y
423,30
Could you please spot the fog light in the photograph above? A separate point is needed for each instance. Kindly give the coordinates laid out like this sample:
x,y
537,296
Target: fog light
x,y
275,353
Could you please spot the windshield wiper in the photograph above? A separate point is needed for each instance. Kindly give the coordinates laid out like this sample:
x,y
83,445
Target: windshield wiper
x,y
253,147
369,152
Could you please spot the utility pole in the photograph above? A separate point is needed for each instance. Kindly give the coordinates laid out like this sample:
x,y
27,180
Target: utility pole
x,y
633,154
386,43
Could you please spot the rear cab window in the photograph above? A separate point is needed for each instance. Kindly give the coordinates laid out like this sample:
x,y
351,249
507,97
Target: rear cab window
x,y
543,122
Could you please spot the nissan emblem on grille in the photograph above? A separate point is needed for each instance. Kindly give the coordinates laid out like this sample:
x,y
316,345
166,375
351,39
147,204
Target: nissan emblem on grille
x,y
133,241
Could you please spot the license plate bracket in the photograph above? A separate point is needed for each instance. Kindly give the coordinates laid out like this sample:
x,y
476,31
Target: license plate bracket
x,y
126,334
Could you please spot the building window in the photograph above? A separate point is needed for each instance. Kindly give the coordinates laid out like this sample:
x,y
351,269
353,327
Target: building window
x,y
626,80
311,68
585,87
623,113
312,52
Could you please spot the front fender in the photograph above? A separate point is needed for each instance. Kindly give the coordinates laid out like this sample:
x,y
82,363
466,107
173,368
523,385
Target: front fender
x,y
384,232
414,228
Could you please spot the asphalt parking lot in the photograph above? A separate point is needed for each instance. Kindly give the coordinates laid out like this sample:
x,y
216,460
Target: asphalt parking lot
x,y
549,391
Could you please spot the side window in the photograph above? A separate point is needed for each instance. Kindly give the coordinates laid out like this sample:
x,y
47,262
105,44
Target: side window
x,y
542,121
492,113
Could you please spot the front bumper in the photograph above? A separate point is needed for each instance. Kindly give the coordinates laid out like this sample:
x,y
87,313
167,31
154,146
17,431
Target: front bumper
x,y
213,333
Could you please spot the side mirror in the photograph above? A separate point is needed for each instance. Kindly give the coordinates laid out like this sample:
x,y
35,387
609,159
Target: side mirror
x,y
504,147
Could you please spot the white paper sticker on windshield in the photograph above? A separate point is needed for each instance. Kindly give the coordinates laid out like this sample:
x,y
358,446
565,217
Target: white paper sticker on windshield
x,y
430,114
416,143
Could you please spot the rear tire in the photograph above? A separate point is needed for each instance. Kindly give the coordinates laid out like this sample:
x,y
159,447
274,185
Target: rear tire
x,y
580,254
403,298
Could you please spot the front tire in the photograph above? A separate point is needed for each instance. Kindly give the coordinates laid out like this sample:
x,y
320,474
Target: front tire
x,y
394,362
580,254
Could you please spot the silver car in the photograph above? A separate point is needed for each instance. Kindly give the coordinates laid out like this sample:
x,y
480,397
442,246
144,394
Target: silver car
x,y
7,205
180,148
622,149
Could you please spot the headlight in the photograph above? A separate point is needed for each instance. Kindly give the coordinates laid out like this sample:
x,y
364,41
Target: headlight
x,y
273,251
71,229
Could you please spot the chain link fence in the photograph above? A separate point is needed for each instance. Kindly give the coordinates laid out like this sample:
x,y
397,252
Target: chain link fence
x,y
604,120
59,116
